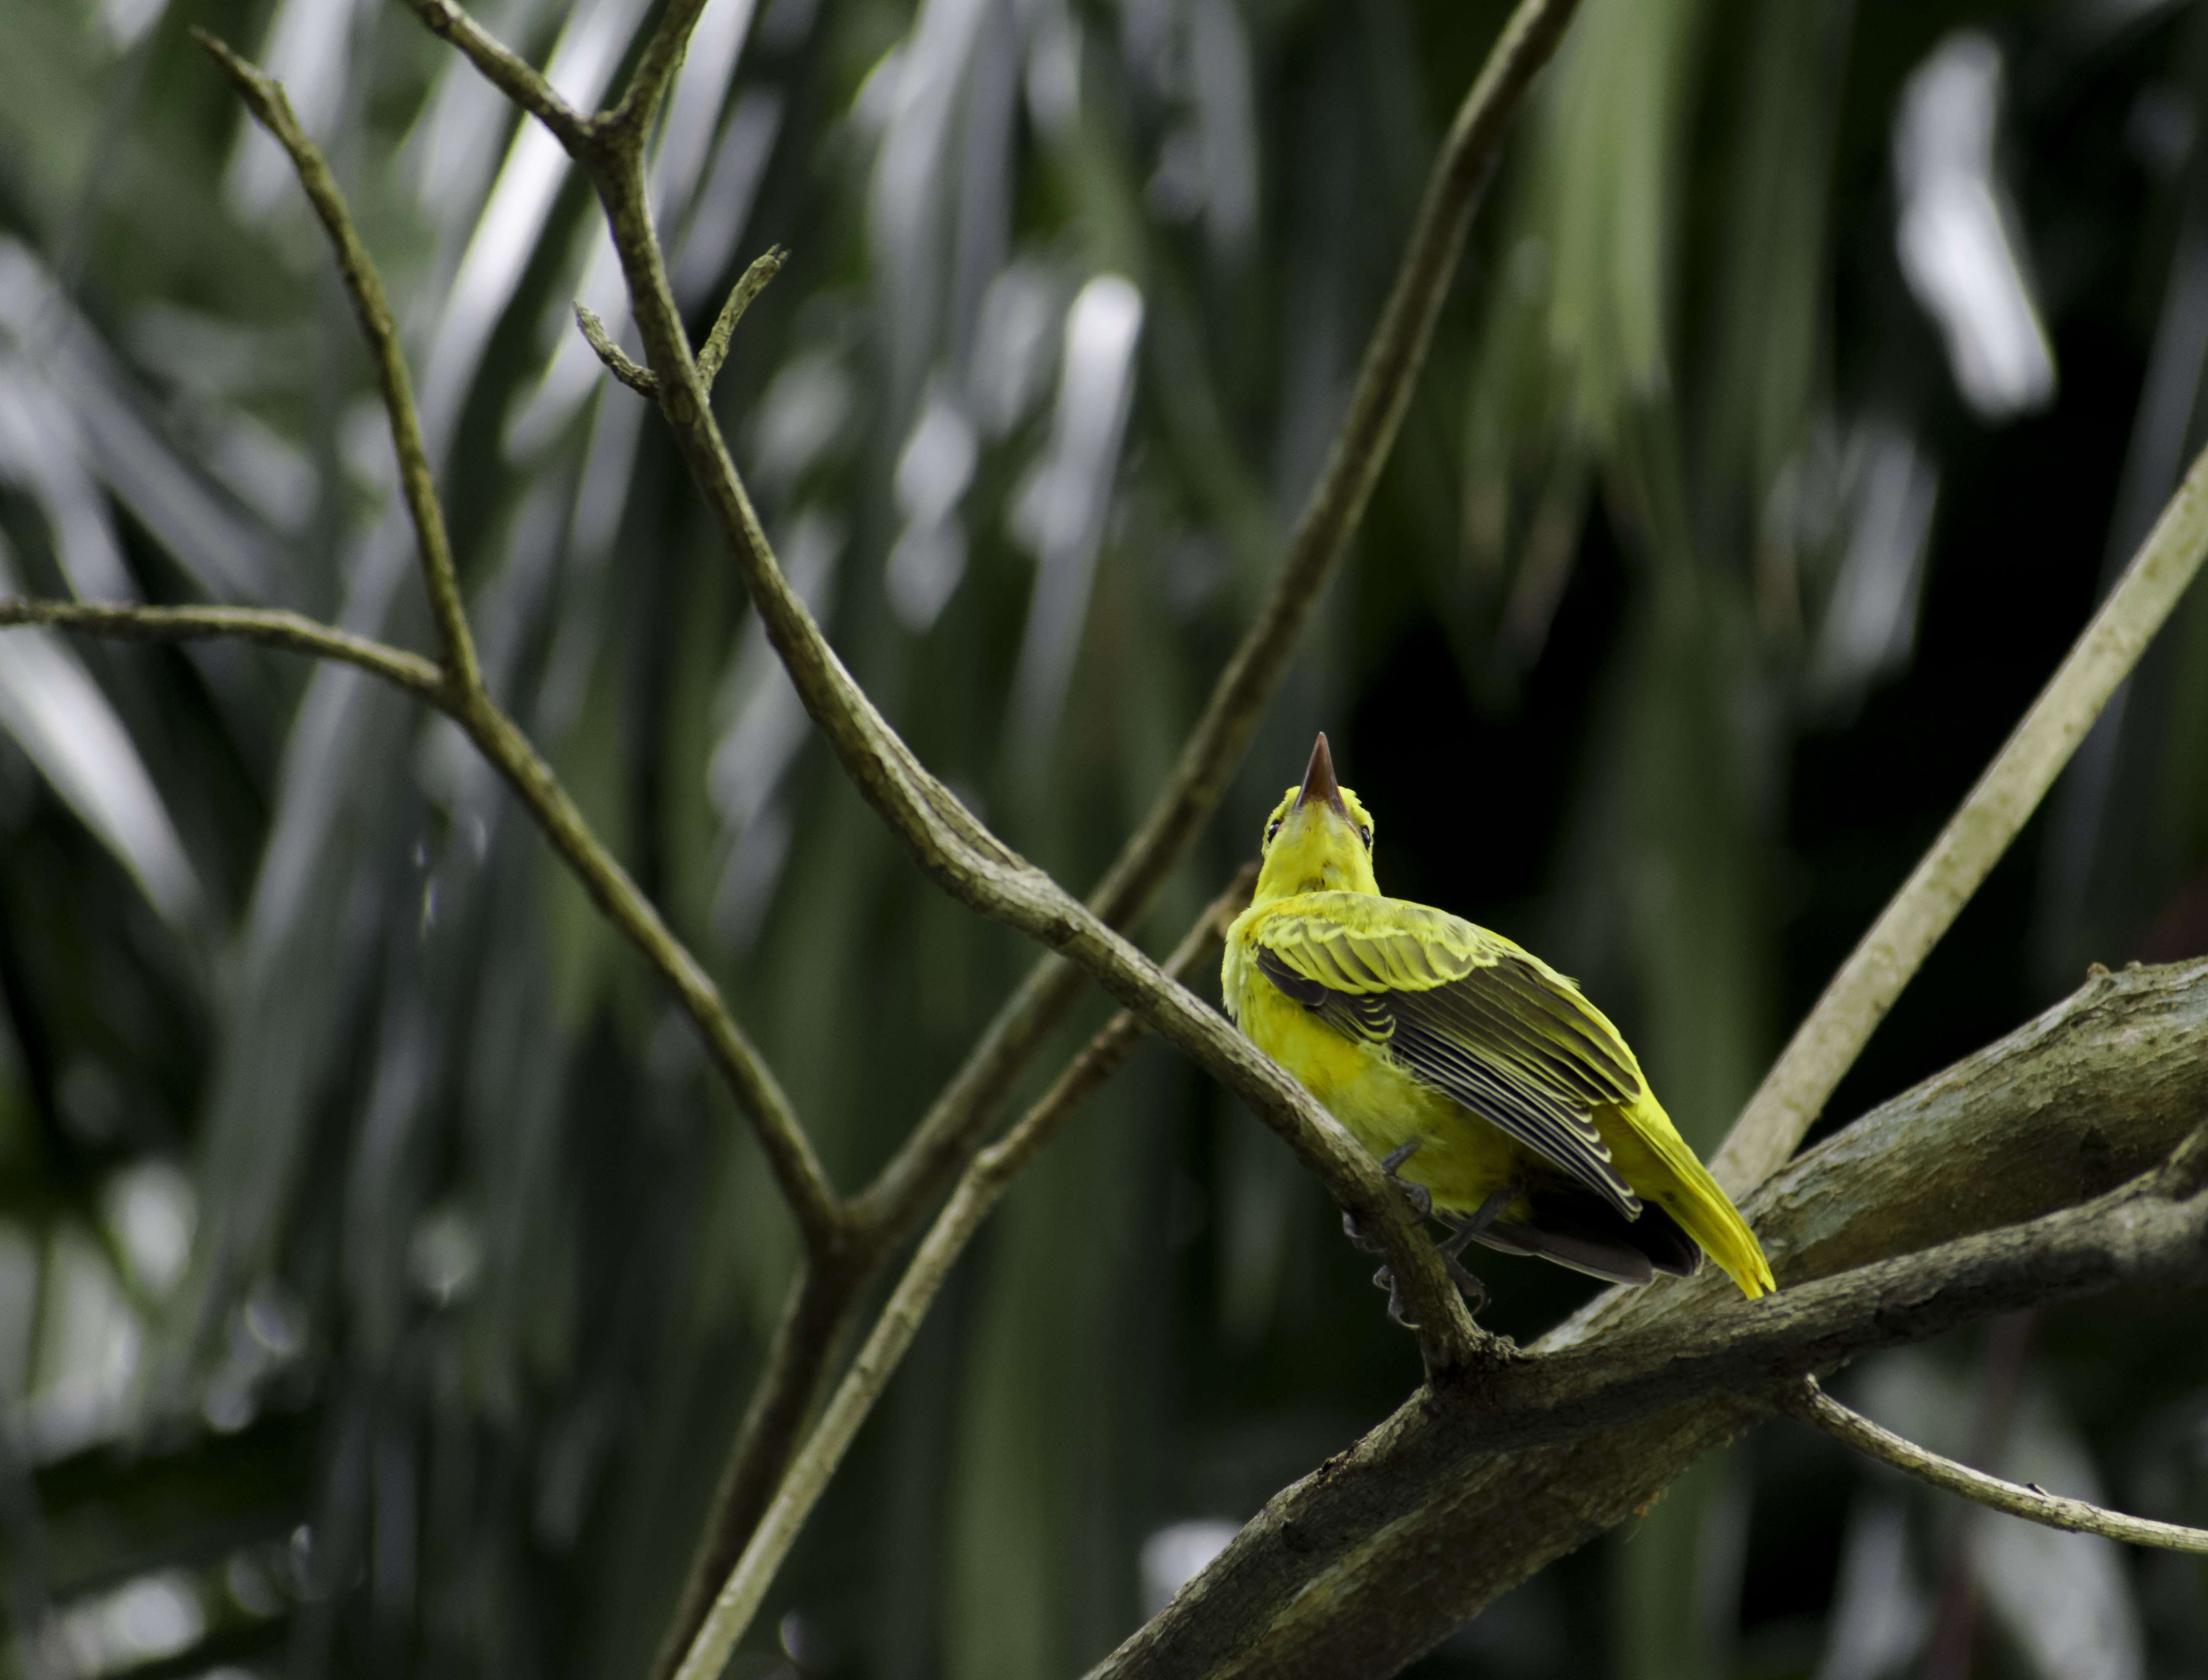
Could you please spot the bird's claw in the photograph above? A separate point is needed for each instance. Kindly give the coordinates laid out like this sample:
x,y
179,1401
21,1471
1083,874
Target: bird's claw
x,y
1385,1279
1464,1280
1354,1231
1471,1286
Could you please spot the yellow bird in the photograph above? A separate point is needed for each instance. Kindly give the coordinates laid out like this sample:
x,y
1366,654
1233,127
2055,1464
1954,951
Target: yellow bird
x,y
1479,1075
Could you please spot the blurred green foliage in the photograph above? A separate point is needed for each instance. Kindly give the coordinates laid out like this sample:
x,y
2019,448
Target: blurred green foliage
x,y
381,1271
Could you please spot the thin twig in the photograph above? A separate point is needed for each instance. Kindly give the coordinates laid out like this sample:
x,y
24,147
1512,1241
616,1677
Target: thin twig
x,y
270,627
1808,1401
508,71
980,1188
931,1155
1825,1045
264,98
640,379
1954,1619
752,281
628,122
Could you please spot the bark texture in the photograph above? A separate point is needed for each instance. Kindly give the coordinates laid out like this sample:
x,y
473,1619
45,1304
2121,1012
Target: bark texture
x,y
1382,1551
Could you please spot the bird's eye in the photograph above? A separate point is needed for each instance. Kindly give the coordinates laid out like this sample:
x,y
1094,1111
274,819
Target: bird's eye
x,y
1365,833
1272,829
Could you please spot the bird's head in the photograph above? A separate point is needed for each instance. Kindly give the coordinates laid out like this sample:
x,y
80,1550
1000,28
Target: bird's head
x,y
1319,837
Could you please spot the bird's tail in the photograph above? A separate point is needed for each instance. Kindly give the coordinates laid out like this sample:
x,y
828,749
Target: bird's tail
x,y
1656,1161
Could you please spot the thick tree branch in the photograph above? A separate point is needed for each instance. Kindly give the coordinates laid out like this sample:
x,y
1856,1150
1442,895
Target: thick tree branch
x,y
265,99
1812,1406
986,1177
1383,1551
269,627
1827,1043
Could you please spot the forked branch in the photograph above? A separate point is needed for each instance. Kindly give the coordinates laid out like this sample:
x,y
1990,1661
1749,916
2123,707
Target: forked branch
x,y
1812,1406
264,98
715,352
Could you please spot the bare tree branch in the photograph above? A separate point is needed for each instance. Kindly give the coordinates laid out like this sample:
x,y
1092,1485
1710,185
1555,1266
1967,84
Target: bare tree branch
x,y
797,1169
749,285
265,99
1814,1407
270,627
2094,1093
642,381
510,73
626,123
987,1178
1825,1045
950,845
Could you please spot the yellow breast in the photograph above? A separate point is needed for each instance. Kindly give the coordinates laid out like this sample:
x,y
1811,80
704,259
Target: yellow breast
x,y
1462,1159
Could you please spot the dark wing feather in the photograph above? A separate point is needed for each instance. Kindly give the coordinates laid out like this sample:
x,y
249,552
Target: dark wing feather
x,y
1504,1041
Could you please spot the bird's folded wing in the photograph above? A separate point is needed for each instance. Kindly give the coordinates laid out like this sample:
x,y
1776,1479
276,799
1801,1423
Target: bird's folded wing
x,y
1468,1014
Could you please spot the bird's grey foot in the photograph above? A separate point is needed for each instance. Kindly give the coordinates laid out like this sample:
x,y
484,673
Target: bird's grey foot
x,y
1420,1198
1463,1231
1473,1289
